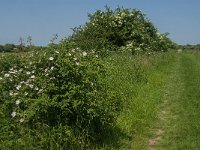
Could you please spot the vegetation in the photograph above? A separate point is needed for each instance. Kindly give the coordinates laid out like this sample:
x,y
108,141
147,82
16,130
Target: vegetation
x,y
190,47
182,126
120,30
101,88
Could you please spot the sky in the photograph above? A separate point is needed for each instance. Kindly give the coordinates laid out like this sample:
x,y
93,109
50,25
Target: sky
x,y
41,19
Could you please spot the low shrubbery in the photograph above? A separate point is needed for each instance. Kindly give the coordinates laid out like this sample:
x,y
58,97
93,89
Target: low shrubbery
x,y
60,90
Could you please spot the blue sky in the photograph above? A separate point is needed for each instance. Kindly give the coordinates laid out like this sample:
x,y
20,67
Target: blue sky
x,y
40,19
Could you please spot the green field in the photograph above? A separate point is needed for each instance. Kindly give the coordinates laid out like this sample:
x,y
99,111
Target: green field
x,y
159,96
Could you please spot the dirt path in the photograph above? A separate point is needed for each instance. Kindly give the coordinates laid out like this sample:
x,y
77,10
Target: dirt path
x,y
172,92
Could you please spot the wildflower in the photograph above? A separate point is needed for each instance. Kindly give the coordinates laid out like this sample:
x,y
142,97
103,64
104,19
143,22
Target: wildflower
x,y
77,63
28,72
51,58
20,70
15,94
40,90
96,56
57,52
31,86
33,76
27,81
6,75
17,102
75,58
21,120
52,67
46,70
13,114
12,72
84,54
1,78
33,71
18,86
11,93
69,54
21,82
26,93
36,88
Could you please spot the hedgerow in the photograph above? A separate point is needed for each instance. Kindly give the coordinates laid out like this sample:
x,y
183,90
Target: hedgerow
x,y
120,30
61,90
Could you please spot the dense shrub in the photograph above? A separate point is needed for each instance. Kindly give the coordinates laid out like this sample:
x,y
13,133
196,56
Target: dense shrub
x,y
60,91
121,29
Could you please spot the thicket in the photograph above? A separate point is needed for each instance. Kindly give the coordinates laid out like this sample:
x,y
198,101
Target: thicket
x,y
61,92
120,30
59,97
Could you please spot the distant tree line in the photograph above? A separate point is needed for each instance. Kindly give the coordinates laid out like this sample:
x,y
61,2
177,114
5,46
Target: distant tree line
x,y
8,48
23,46
18,48
190,47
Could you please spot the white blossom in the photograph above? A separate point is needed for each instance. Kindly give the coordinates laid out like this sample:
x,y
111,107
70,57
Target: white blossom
x,y
11,93
77,63
12,72
6,75
52,67
33,76
31,86
70,54
26,93
36,88
51,58
21,82
15,94
17,102
13,114
28,72
18,86
21,120
40,90
84,54
1,78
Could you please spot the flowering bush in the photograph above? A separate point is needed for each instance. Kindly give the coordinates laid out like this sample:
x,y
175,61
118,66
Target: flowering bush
x,y
58,87
121,29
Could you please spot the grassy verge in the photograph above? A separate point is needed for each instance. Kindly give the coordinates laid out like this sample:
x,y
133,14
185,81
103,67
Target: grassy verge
x,y
140,83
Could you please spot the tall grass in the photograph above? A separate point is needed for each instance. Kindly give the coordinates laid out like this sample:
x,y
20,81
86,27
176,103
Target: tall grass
x,y
139,81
